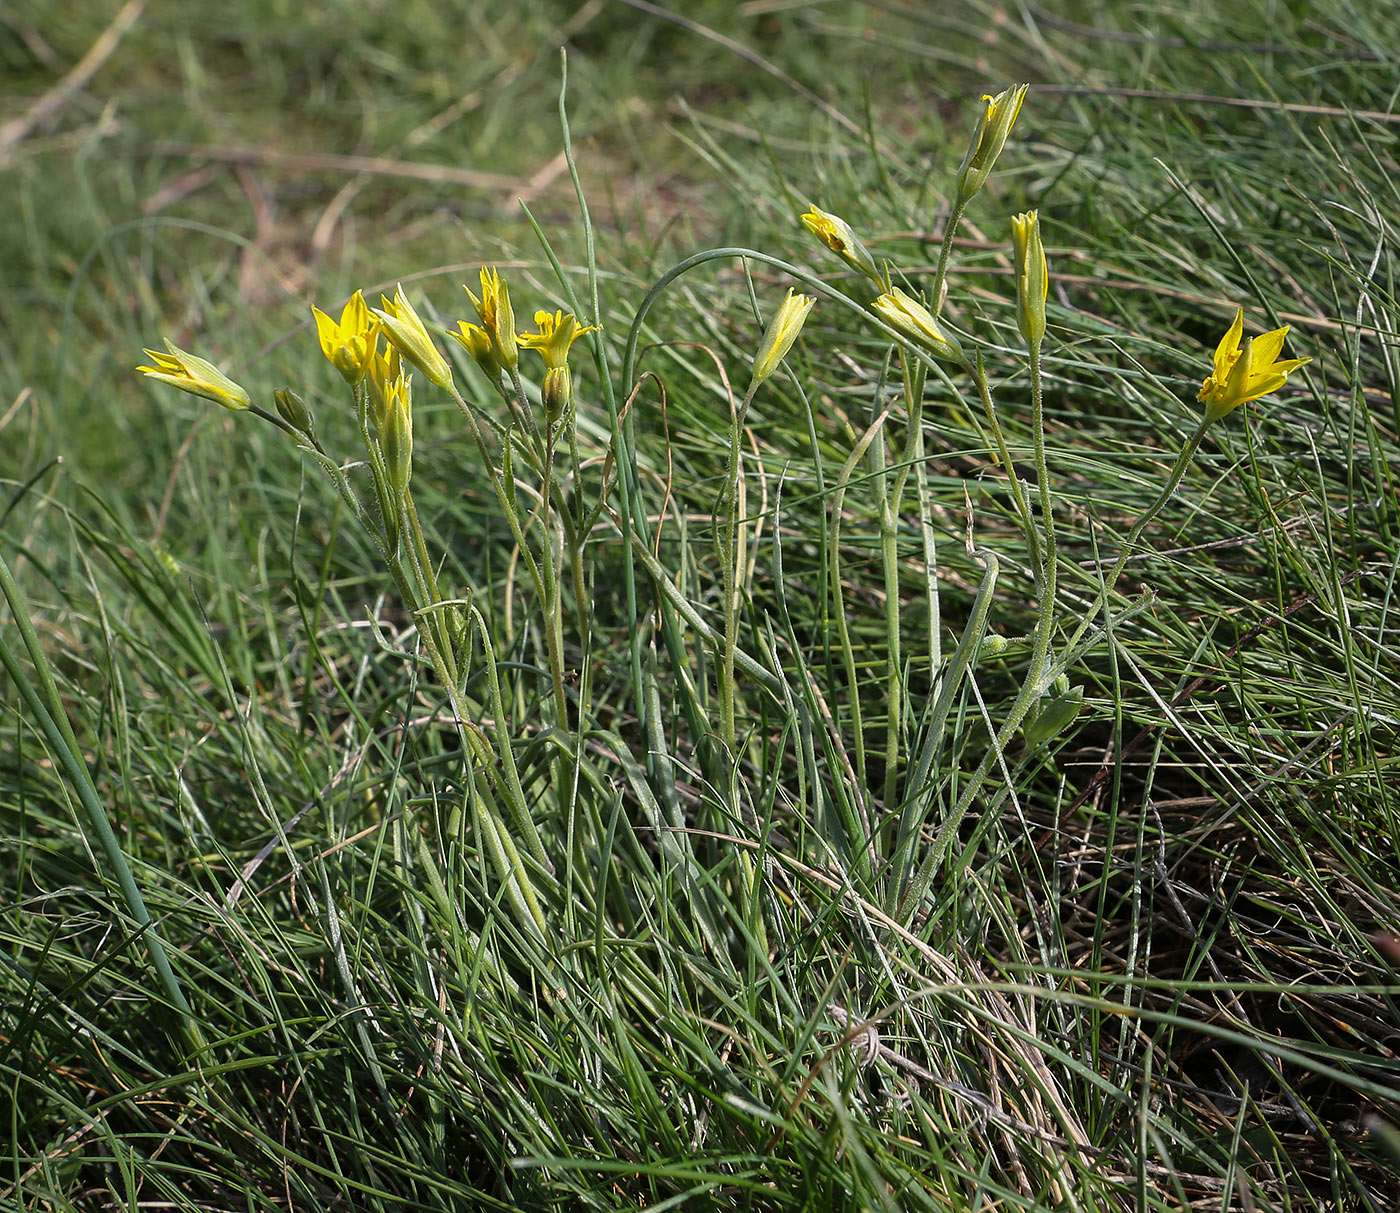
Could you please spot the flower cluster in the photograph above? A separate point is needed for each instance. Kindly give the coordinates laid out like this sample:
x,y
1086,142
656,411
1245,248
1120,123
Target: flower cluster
x,y
380,370
1244,369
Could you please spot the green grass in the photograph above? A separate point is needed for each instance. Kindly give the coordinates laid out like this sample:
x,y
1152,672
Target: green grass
x,y
1152,964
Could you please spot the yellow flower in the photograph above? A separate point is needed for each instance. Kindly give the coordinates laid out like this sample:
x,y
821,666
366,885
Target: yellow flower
x,y
406,330
913,321
477,342
782,331
836,234
349,343
196,376
557,333
497,317
1244,373
1032,276
998,116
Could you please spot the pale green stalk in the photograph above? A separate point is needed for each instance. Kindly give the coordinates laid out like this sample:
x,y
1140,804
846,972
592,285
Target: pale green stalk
x,y
730,557
1018,490
891,506
1042,673
500,844
428,578
1032,689
684,608
441,654
918,793
543,577
553,559
843,632
388,512
1042,472
519,405
940,275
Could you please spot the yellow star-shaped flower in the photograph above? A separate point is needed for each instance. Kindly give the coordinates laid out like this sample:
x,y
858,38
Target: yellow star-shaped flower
x,y
558,331
1245,372
349,344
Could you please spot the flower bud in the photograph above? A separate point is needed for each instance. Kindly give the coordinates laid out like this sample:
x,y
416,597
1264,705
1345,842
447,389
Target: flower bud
x,y
396,439
556,391
384,371
1054,716
292,409
1032,277
998,116
404,328
836,234
477,342
913,321
196,376
782,331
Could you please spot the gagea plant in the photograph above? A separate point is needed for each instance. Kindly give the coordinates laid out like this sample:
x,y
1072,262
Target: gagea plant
x,y
712,662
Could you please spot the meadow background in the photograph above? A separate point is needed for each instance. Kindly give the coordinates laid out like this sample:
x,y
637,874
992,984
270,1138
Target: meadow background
x,y
1157,966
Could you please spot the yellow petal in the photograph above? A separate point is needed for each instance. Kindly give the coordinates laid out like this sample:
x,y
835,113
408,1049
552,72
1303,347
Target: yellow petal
x,y
355,317
1267,347
327,331
1229,347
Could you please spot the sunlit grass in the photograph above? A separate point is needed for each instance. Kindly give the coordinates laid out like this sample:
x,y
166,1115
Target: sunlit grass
x,y
1147,961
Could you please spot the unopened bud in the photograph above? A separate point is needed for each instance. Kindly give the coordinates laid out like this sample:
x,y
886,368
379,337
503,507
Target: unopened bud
x,y
396,440
998,116
556,392
913,321
292,409
782,331
1032,277
837,235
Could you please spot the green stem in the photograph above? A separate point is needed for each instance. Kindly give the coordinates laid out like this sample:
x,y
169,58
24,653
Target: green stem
x,y
388,512
683,607
940,275
843,632
519,404
891,506
507,858
1041,674
1032,688
441,621
731,555
1018,490
553,602
632,516
503,497
1042,472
